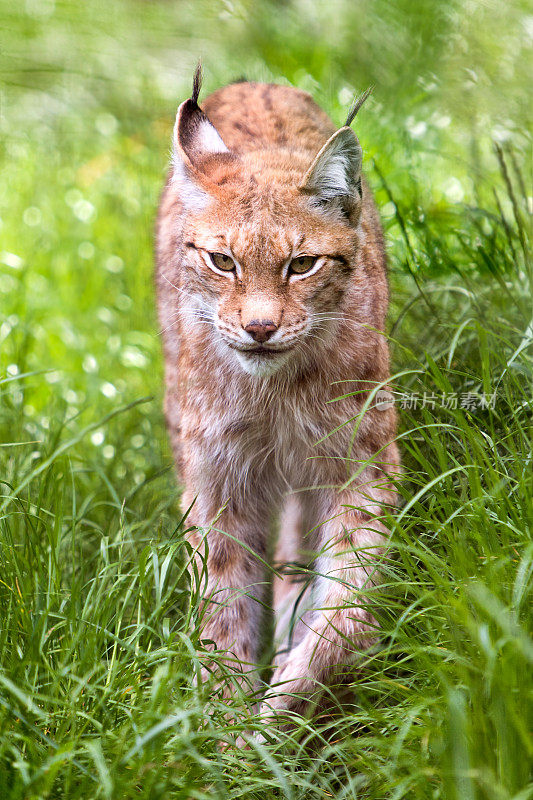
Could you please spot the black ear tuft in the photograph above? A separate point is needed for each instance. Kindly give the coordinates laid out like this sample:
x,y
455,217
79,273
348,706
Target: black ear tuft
x,y
196,83
356,105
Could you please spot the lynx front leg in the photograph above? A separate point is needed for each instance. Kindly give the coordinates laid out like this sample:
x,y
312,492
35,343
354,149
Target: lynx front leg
x,y
231,581
342,627
291,587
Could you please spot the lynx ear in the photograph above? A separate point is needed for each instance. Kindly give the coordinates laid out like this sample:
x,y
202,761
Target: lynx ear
x,y
333,181
194,139
194,135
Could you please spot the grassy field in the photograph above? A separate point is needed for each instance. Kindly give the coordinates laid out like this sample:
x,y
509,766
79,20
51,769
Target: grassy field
x,y
98,626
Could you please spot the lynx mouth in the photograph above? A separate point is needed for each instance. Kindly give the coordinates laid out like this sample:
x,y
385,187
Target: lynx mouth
x,y
260,352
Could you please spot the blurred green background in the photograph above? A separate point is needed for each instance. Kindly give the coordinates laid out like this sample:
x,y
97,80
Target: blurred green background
x,y
96,649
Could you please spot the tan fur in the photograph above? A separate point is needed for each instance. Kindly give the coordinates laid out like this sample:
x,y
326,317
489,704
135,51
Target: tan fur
x,y
248,430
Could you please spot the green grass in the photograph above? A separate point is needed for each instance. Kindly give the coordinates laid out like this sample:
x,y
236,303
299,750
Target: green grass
x,y
98,627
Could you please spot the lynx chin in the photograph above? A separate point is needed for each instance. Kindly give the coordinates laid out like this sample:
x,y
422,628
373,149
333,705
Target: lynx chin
x,y
272,296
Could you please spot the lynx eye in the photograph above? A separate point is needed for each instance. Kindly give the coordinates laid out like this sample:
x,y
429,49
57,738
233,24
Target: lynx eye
x,y
302,264
222,262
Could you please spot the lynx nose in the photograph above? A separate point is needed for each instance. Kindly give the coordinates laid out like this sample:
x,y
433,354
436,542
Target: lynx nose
x,y
261,330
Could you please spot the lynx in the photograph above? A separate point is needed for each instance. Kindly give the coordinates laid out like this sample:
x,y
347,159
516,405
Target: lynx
x,y
272,296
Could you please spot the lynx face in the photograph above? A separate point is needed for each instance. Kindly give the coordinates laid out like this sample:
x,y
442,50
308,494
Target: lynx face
x,y
269,298
266,269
